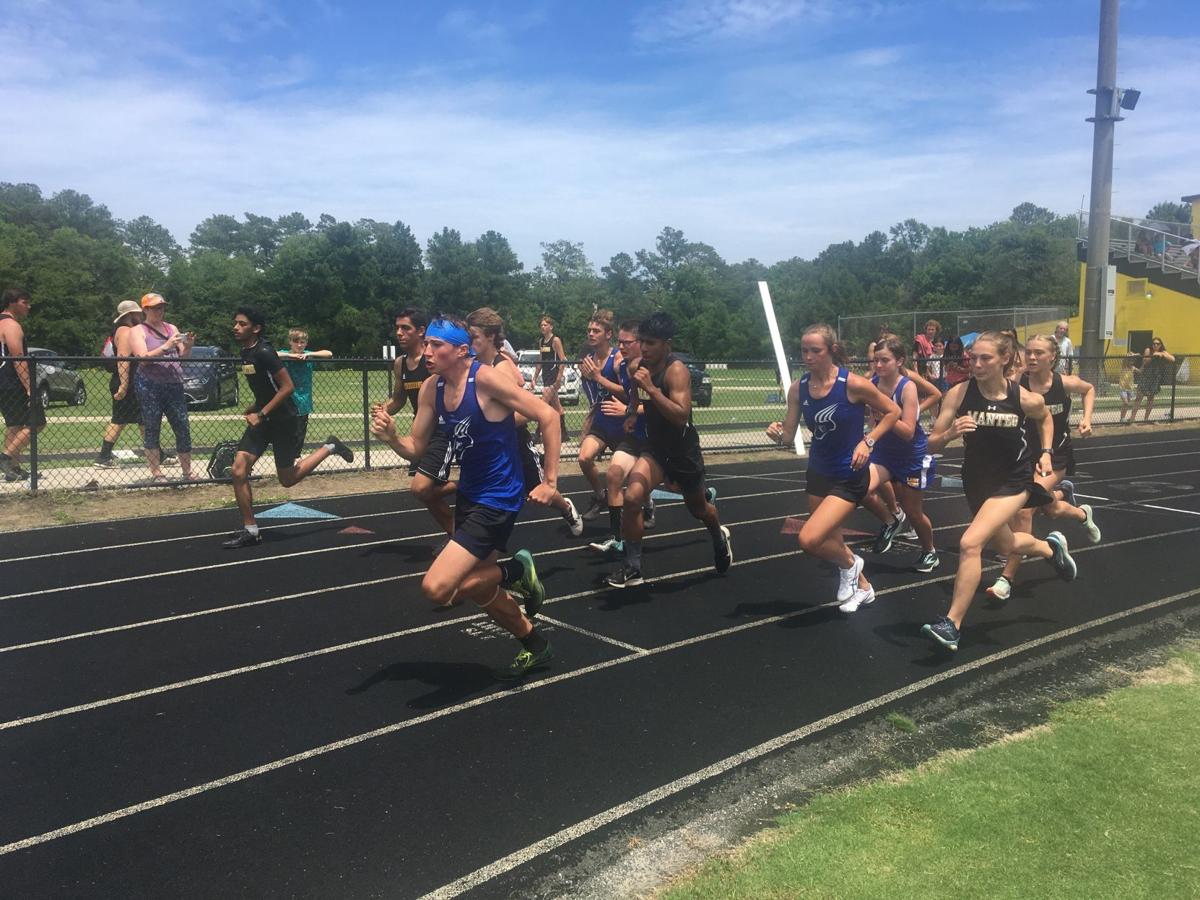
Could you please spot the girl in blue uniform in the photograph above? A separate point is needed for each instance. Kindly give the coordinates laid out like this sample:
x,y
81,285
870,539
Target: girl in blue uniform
x,y
901,456
832,400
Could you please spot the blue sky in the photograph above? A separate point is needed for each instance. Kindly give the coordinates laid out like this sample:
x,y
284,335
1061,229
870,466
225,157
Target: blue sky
x,y
768,129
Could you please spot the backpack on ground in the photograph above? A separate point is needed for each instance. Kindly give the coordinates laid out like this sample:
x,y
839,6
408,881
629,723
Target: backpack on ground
x,y
220,464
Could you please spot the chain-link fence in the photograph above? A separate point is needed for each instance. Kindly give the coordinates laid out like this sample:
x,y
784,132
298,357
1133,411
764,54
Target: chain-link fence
x,y
81,447
855,332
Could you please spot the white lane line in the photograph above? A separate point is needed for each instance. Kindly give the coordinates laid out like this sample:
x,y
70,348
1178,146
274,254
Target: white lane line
x,y
1105,462
594,635
586,826
1094,497
512,860
1189,512
251,560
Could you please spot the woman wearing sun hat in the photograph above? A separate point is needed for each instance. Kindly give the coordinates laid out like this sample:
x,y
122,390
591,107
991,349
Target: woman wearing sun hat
x,y
125,407
159,382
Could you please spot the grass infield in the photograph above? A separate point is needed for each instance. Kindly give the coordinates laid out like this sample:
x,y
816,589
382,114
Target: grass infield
x,y
1102,801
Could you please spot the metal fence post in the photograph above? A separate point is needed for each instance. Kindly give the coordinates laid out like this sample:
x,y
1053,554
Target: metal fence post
x,y
35,396
366,414
1174,381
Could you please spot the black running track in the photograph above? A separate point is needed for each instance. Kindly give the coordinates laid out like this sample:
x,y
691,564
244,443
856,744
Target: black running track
x,y
292,720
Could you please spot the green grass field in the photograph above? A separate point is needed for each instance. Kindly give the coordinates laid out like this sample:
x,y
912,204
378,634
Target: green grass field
x,y
1100,802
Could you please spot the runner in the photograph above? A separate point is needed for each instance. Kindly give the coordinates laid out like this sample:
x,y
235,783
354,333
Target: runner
x,y
900,455
430,475
487,340
550,369
271,420
602,430
672,450
1042,376
22,414
832,400
989,413
631,444
476,404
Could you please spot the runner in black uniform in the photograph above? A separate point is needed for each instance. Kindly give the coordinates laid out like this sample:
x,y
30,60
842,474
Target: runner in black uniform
x,y
21,415
672,450
272,420
550,369
989,413
487,339
1041,377
430,474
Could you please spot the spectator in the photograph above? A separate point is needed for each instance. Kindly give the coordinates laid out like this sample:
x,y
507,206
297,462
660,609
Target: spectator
x,y
885,331
22,416
954,364
125,407
1126,384
296,361
923,345
937,373
159,383
1066,350
1158,367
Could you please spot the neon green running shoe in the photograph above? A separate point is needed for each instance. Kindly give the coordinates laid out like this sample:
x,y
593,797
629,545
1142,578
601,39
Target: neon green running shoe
x,y
524,663
529,585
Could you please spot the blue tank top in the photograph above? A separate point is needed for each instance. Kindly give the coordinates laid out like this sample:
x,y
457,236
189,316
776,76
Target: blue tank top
x,y
597,395
892,450
627,382
487,452
836,425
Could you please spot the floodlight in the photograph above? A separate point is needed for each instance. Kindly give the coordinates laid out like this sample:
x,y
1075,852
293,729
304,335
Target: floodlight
x,y
1129,98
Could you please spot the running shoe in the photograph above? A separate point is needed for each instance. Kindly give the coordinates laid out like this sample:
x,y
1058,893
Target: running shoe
x,y
848,579
723,552
105,462
625,576
648,520
928,562
710,494
528,585
862,597
524,663
574,519
887,534
596,506
1064,565
610,546
1001,588
1093,530
908,534
9,469
1068,491
242,539
339,448
943,631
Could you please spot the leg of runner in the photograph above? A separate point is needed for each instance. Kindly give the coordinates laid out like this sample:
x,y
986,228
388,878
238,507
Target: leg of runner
x,y
620,466
433,494
646,473
589,449
243,465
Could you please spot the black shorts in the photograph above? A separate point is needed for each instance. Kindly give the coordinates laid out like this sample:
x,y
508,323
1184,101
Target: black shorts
x,y
480,529
980,493
436,460
280,432
127,410
685,469
610,439
852,490
18,411
531,461
631,444
1064,458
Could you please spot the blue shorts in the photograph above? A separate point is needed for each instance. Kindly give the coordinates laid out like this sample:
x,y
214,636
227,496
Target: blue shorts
x,y
917,472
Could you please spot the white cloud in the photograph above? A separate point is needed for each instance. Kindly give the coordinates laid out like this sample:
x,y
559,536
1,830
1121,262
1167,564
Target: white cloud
x,y
688,20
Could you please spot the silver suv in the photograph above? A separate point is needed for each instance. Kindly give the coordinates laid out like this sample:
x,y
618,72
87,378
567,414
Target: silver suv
x,y
568,391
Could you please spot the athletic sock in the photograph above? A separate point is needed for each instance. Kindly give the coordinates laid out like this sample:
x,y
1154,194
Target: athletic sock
x,y
511,571
633,554
106,449
534,642
714,532
614,521
252,529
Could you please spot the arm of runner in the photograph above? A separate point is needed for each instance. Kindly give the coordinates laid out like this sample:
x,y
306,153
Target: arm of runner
x,y
1076,385
282,392
508,366
1034,407
502,389
383,426
561,355
906,425
675,403
887,414
784,433
928,393
396,400
950,426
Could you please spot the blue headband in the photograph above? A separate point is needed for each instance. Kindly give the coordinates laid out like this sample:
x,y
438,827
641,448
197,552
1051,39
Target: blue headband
x,y
447,331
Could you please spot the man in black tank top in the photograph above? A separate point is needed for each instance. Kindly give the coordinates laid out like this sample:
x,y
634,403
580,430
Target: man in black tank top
x,y
22,416
125,407
672,450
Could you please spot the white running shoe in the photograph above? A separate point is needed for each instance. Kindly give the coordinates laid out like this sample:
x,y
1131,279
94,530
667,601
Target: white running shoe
x,y
574,520
1001,589
848,579
1093,530
862,597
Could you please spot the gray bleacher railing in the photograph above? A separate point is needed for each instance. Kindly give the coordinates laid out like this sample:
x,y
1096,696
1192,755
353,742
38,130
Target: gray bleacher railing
x,y
733,402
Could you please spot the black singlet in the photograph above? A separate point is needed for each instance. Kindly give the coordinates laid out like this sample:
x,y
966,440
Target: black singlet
x,y
1058,405
260,365
8,374
997,458
411,379
666,439
550,360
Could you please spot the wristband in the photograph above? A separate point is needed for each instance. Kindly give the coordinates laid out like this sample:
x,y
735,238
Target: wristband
x,y
1051,452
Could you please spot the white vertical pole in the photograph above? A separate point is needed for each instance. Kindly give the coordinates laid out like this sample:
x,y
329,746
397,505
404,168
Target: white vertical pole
x,y
785,376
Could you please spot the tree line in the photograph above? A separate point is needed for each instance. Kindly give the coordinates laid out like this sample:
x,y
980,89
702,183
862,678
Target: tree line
x,y
344,280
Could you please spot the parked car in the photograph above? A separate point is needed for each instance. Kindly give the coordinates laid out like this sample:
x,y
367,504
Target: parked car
x,y
568,391
210,385
702,387
57,379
